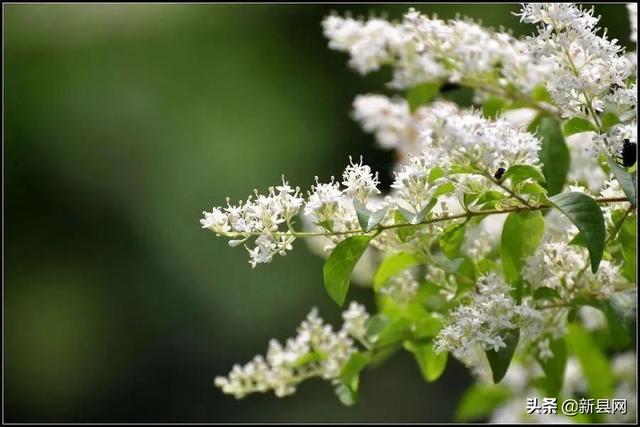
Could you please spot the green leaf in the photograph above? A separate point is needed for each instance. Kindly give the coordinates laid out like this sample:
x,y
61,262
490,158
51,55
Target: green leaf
x,y
540,93
350,374
375,326
608,120
554,367
585,213
391,265
432,364
544,293
347,396
451,240
412,217
338,267
422,94
627,239
554,154
500,360
521,234
595,366
368,219
625,179
493,106
519,173
576,125
479,401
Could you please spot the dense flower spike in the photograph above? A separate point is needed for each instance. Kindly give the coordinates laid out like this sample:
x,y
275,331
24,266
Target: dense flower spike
x,y
316,351
493,219
586,65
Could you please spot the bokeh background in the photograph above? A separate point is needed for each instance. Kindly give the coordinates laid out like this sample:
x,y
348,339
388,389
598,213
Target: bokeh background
x,y
125,122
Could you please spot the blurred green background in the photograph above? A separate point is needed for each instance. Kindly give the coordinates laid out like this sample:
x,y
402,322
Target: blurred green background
x,y
125,122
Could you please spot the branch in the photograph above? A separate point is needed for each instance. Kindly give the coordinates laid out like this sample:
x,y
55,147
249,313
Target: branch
x,y
377,230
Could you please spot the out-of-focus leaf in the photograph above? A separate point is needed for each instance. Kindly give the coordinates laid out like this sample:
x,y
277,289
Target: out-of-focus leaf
x,y
545,293
422,94
595,366
479,401
391,265
554,154
554,366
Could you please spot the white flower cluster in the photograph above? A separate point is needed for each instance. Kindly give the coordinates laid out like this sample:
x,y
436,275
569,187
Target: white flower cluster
x,y
423,49
564,267
389,119
586,66
269,217
316,351
261,215
453,139
484,321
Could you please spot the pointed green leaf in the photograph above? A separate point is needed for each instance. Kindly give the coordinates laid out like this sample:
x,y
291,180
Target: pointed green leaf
x,y
350,374
431,364
554,153
626,181
338,267
608,120
585,213
501,359
367,219
577,125
519,173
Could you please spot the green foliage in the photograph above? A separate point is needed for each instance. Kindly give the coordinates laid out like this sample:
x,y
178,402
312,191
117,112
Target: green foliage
x,y
627,180
451,240
594,364
554,154
577,125
501,359
585,213
479,400
519,173
393,264
367,219
338,267
554,367
422,94
432,364
347,389
521,234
